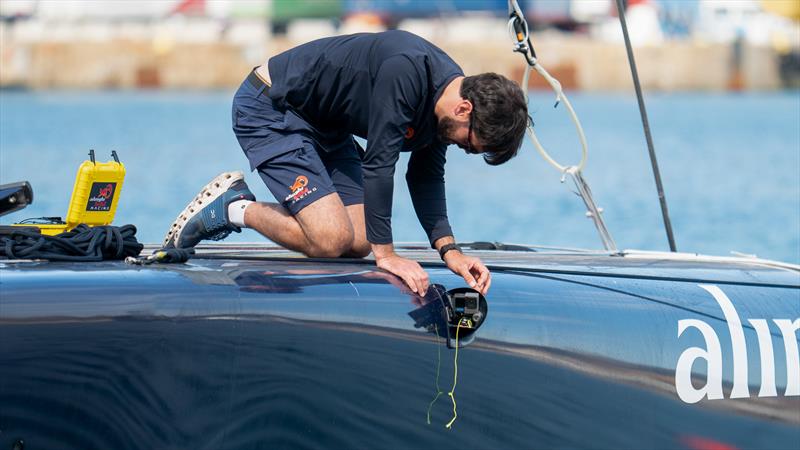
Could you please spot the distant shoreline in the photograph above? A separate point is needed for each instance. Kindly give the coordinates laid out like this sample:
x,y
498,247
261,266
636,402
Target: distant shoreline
x,y
578,62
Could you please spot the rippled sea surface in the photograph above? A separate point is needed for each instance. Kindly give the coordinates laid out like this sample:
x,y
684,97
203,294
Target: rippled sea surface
x,y
730,165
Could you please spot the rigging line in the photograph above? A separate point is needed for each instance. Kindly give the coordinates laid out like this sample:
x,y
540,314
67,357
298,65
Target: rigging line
x,y
439,391
522,44
452,392
643,112
560,98
520,36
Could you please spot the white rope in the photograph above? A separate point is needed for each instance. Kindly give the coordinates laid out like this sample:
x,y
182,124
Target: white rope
x,y
520,37
560,98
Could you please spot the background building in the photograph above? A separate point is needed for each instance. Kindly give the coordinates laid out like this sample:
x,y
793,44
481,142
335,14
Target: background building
x,y
742,44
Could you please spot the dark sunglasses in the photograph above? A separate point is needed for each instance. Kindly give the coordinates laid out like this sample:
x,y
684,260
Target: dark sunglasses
x,y
469,137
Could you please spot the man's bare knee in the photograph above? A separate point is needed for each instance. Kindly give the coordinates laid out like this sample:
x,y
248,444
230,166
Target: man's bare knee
x,y
333,244
327,227
359,249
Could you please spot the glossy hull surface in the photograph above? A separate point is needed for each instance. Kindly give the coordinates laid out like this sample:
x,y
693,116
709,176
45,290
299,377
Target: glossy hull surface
x,y
233,353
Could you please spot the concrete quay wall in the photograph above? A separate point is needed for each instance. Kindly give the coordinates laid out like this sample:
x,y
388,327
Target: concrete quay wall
x,y
578,62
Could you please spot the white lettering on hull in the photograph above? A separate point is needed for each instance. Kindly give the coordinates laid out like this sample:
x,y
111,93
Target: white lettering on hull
x,y
788,330
713,357
712,354
767,358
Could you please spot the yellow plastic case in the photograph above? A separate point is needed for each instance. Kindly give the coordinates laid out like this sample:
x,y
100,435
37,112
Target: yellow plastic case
x,y
95,195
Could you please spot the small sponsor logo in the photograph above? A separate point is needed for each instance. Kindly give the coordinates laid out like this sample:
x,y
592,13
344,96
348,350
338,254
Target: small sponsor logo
x,y
100,196
300,190
213,214
107,191
409,133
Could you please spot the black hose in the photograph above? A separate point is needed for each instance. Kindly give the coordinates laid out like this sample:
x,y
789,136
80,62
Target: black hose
x,y
81,244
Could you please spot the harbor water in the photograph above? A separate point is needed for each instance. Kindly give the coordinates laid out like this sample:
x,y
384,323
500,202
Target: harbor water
x,y
730,165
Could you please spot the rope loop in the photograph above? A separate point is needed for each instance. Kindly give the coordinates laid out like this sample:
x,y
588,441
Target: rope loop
x,y
81,244
519,33
519,44
560,97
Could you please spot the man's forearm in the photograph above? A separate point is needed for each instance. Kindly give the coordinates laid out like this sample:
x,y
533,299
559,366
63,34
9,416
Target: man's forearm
x,y
469,267
382,250
442,241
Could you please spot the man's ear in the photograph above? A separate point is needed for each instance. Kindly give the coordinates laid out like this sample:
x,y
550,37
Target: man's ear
x,y
463,109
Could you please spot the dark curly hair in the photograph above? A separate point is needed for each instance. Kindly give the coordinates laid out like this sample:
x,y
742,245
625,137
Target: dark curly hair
x,y
499,115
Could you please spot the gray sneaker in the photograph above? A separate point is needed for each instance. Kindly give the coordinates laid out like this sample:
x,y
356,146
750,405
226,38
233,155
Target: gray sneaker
x,y
206,216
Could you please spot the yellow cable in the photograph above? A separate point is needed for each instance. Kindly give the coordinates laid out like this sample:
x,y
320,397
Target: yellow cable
x,y
438,366
455,381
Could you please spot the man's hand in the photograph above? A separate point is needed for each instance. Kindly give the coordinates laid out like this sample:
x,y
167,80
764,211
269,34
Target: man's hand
x,y
471,269
409,271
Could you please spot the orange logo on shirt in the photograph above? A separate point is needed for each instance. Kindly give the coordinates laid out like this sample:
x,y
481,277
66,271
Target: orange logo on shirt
x,y
409,133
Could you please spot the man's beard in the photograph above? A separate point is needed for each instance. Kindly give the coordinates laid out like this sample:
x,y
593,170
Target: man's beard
x,y
445,129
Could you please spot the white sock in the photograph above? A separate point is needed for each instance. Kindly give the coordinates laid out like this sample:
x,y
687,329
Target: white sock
x,y
236,212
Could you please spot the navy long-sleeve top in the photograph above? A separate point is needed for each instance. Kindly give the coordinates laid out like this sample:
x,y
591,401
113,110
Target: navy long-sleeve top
x,y
381,87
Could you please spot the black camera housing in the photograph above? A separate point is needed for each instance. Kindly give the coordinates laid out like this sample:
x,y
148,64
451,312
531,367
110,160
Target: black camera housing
x,y
466,311
460,310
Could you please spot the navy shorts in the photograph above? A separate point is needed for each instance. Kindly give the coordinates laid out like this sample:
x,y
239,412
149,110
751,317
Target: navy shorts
x,y
296,168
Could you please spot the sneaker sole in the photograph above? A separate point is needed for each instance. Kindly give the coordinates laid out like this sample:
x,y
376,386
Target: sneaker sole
x,y
209,193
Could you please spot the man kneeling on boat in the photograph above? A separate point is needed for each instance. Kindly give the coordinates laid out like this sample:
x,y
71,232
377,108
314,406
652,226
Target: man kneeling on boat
x,y
295,118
